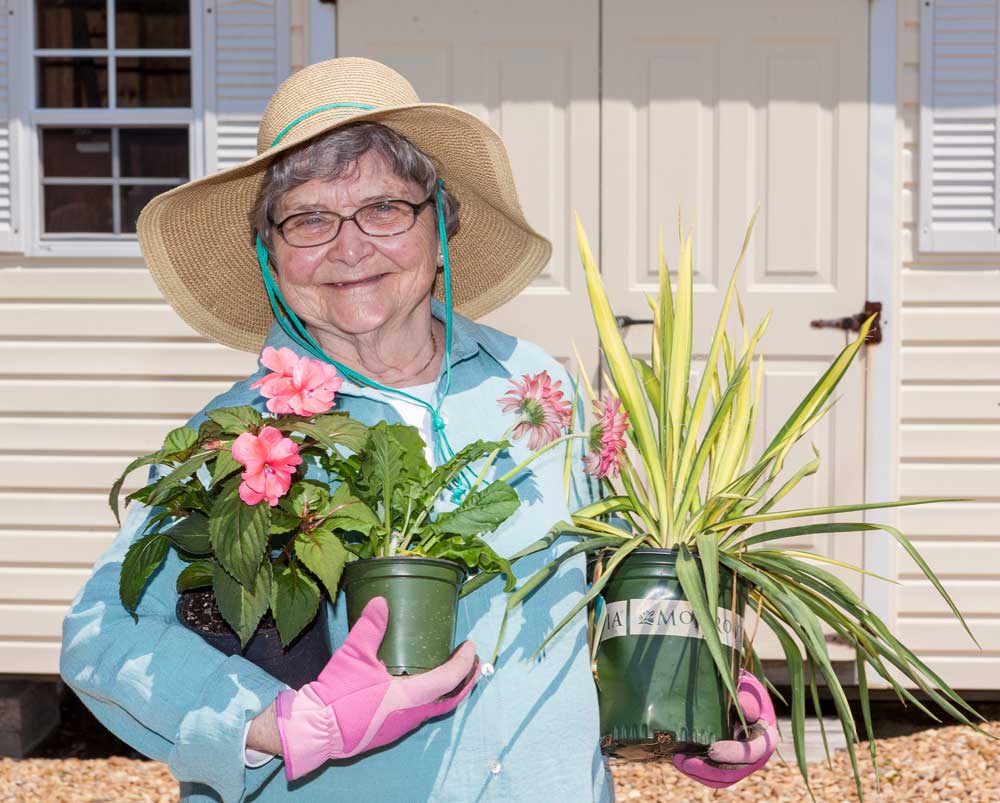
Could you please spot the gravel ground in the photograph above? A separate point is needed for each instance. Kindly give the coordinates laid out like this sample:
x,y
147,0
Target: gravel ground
x,y
82,763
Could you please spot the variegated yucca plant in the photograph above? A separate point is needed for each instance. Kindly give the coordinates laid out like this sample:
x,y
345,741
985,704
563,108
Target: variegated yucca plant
x,y
692,485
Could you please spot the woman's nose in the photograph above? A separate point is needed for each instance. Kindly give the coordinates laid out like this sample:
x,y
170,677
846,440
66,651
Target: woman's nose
x,y
350,246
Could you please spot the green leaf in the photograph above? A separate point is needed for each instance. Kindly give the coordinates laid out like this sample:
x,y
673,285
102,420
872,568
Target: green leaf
x,y
190,534
236,420
144,460
476,554
224,465
381,465
307,497
242,607
196,575
239,534
283,521
295,600
332,430
444,474
796,679
347,513
143,558
704,613
179,441
166,485
324,554
481,511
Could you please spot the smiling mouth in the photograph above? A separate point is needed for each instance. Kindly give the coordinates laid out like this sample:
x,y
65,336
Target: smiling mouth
x,y
369,280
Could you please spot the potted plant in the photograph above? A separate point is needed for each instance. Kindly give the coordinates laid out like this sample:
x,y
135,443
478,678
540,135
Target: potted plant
x,y
676,554
233,499
406,547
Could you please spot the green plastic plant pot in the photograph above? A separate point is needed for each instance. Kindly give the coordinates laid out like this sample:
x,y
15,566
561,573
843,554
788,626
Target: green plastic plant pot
x,y
423,598
659,689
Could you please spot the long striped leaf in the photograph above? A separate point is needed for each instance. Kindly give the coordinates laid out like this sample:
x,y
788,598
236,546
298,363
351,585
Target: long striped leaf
x,y
626,381
704,612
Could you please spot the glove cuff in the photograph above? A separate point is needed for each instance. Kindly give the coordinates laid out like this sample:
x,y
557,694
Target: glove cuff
x,y
309,731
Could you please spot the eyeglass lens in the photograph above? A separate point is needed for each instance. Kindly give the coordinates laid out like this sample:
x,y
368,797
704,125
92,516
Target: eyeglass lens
x,y
380,219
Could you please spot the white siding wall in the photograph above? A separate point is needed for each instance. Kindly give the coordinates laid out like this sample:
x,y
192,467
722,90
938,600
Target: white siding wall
x,y
94,369
949,435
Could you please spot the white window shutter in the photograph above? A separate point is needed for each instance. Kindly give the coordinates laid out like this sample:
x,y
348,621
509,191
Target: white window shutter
x,y
958,126
248,44
10,234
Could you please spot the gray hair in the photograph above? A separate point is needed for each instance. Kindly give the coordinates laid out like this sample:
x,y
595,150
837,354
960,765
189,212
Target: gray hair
x,y
334,156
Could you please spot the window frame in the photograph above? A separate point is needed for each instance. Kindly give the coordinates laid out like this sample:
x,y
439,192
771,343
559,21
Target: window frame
x,y
34,118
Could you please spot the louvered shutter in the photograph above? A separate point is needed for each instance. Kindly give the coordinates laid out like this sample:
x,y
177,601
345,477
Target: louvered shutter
x,y
249,43
10,237
958,126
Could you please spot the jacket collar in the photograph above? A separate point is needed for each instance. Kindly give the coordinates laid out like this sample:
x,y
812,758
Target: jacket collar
x,y
468,339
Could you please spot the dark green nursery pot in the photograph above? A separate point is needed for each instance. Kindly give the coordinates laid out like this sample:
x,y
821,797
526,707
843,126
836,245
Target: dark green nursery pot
x,y
423,599
659,689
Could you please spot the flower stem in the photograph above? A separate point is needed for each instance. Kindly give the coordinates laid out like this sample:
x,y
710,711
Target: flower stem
x,y
531,458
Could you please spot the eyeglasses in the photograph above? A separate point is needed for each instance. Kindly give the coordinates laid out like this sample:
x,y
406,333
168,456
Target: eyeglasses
x,y
380,219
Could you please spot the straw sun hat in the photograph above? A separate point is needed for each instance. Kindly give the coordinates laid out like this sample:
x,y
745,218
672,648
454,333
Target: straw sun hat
x,y
197,238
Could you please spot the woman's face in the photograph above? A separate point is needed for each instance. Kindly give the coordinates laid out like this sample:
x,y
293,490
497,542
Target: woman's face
x,y
357,284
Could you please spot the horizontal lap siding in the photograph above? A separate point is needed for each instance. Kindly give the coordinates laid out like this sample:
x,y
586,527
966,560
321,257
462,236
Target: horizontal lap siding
x,y
94,369
949,436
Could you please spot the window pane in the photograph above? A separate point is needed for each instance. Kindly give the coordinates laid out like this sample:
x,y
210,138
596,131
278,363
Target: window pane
x,y
152,23
65,82
78,209
154,152
69,152
154,82
71,23
133,199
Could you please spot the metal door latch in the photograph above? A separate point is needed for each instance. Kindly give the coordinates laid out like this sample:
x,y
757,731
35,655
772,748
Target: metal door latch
x,y
852,323
625,321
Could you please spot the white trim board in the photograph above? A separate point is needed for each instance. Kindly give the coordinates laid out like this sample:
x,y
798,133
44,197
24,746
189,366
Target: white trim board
x,y
881,414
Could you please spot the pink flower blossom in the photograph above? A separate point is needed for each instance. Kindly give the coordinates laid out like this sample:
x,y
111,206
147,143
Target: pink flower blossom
x,y
296,384
607,439
270,459
542,411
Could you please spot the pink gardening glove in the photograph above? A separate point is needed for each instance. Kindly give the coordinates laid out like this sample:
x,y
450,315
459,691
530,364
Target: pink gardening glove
x,y
356,705
733,760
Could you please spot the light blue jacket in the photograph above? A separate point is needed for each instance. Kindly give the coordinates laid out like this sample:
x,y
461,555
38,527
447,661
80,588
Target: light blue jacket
x,y
529,732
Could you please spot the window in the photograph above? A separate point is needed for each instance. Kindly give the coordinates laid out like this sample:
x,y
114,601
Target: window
x,y
112,111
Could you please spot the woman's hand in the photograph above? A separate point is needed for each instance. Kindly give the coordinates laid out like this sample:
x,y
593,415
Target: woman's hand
x,y
356,705
733,760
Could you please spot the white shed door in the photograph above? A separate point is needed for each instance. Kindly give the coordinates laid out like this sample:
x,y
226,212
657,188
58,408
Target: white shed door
x,y
529,70
710,107
717,107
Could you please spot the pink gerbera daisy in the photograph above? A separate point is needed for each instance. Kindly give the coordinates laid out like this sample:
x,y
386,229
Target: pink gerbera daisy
x,y
542,411
607,439
296,384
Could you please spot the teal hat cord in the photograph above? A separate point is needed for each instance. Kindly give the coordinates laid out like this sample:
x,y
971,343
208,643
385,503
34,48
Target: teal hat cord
x,y
296,330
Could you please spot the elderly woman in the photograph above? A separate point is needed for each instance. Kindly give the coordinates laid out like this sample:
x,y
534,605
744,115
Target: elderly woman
x,y
367,232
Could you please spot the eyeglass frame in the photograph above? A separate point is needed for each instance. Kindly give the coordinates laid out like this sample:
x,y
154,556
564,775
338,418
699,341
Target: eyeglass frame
x,y
417,209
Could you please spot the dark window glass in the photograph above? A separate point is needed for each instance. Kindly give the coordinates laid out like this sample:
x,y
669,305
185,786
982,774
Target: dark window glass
x,y
71,23
78,209
134,199
65,82
70,152
154,152
152,23
154,82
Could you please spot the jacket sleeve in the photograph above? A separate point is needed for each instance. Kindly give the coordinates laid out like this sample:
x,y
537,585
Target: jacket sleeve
x,y
158,685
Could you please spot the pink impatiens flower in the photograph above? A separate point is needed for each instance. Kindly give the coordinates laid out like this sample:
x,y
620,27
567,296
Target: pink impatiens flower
x,y
297,384
607,439
270,459
542,411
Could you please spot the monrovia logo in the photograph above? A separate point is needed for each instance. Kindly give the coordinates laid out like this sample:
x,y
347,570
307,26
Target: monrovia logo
x,y
667,617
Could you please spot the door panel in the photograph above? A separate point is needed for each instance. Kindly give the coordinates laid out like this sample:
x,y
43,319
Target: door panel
x,y
537,85
716,108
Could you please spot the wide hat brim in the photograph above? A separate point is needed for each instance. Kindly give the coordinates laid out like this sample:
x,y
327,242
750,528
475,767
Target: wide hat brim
x,y
198,241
